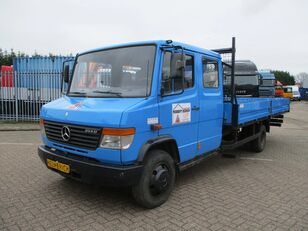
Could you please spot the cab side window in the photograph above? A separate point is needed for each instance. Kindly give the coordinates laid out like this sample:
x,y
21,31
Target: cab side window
x,y
189,72
210,73
174,84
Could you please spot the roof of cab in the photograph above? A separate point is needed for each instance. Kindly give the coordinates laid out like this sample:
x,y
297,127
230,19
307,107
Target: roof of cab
x,y
158,43
267,74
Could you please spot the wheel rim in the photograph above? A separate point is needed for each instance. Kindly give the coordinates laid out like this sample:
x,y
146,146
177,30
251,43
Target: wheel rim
x,y
160,180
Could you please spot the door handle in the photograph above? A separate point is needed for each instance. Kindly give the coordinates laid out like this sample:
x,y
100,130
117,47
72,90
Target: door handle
x,y
195,108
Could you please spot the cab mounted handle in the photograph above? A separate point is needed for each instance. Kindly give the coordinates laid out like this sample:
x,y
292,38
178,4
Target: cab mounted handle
x,y
195,108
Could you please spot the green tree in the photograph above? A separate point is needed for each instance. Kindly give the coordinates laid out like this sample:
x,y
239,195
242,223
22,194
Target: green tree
x,y
284,77
6,58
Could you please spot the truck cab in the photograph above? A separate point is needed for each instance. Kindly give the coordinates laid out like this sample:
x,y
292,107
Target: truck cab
x,y
246,79
278,89
295,92
136,114
267,86
288,92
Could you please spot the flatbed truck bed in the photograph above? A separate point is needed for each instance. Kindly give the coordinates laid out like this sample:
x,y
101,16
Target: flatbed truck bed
x,y
253,109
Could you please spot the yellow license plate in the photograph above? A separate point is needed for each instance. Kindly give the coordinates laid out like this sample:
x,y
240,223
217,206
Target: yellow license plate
x,y
59,166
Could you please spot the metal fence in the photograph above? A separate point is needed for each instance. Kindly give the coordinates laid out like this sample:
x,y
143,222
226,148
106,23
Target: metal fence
x,y
32,83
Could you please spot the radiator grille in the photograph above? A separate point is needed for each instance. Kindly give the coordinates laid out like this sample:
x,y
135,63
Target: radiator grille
x,y
79,136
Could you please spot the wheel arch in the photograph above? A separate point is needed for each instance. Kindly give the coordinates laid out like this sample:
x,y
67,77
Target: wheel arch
x,y
164,142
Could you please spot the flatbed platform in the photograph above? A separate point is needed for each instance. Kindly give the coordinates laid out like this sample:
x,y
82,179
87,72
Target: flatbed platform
x,y
253,109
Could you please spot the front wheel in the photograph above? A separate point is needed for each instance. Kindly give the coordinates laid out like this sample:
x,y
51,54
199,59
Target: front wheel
x,y
157,180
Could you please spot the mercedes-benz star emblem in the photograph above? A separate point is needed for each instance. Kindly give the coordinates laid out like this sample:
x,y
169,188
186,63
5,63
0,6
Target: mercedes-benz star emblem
x,y
66,133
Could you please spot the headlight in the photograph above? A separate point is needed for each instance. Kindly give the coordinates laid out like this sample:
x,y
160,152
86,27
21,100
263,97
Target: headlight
x,y
117,138
42,128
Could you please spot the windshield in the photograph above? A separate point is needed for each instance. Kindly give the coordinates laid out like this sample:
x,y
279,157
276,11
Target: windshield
x,y
268,82
287,89
120,72
246,79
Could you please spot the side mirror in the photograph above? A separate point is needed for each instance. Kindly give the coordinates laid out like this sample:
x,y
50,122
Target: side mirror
x,y
66,73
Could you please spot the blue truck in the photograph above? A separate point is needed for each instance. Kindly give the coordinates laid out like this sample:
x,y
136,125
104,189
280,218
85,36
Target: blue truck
x,y
135,115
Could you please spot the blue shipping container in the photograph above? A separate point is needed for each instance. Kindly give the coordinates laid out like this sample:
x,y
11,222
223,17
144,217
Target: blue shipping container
x,y
40,72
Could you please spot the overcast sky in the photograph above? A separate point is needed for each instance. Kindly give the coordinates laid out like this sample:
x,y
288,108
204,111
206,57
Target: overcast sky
x,y
272,33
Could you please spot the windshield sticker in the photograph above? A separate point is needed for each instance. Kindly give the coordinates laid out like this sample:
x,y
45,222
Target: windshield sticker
x,y
75,106
181,113
152,120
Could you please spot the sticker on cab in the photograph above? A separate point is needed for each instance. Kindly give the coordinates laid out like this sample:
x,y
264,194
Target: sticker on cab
x,y
152,120
75,106
181,113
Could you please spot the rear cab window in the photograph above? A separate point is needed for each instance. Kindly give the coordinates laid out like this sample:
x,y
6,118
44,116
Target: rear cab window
x,y
210,77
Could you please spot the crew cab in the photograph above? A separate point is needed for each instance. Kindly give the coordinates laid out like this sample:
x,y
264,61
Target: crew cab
x,y
135,115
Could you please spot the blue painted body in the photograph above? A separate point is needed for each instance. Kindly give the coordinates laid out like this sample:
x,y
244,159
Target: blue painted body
x,y
201,135
251,109
304,93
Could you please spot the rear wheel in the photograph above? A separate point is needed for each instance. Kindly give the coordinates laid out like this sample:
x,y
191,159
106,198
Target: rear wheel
x,y
258,144
157,180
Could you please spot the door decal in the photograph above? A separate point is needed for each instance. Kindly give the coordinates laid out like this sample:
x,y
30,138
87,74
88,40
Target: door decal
x,y
181,113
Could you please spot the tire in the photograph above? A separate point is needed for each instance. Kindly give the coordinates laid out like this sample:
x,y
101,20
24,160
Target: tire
x,y
152,190
259,144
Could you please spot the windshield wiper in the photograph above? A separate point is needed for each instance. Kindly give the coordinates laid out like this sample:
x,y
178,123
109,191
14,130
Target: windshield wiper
x,y
109,92
77,92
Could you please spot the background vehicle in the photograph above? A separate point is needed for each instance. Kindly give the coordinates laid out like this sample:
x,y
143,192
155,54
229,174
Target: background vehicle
x,y
304,93
295,92
136,114
287,92
279,89
304,90
267,84
246,79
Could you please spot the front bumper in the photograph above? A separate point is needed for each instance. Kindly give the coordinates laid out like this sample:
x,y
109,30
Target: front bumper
x,y
90,171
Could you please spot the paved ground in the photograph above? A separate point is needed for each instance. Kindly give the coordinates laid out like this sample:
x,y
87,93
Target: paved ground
x,y
19,126
267,191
